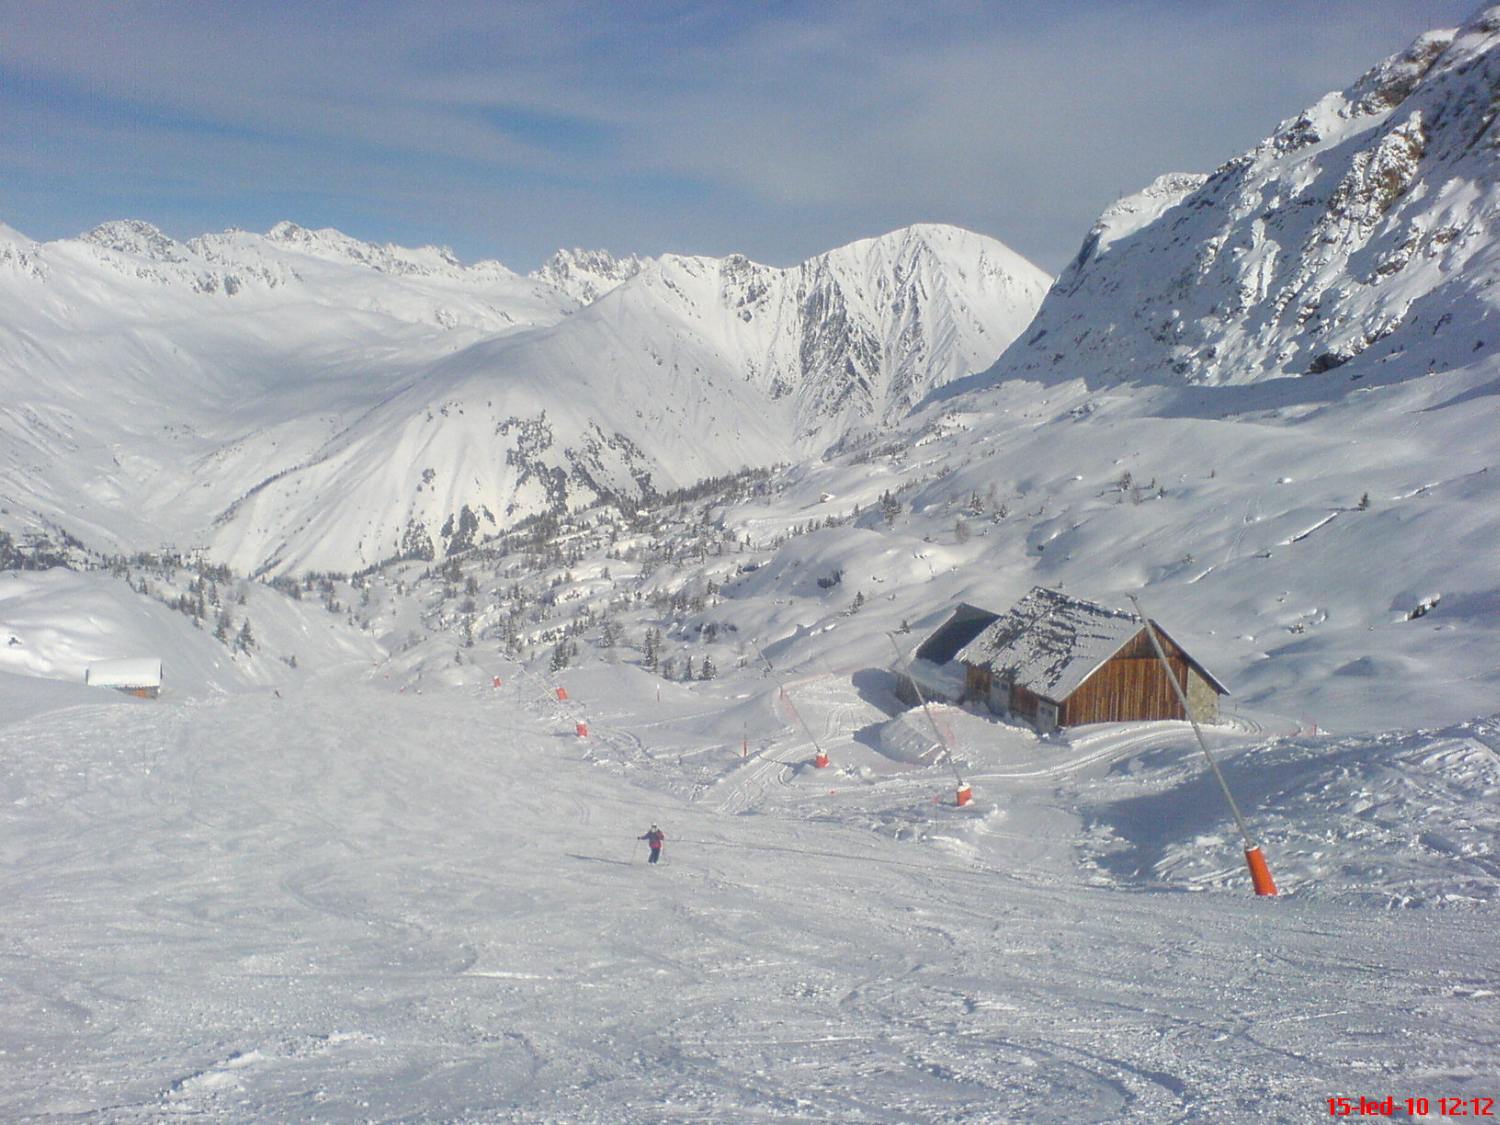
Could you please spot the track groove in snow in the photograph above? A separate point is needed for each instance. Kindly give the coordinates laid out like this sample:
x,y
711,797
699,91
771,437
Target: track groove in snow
x,y
451,881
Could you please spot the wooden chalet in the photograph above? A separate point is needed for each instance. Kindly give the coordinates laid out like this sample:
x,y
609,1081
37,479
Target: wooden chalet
x,y
1059,661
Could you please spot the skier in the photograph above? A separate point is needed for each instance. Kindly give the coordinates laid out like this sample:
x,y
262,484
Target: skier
x,y
655,838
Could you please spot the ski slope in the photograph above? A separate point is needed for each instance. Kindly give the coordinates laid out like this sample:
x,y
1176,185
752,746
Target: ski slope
x,y
396,892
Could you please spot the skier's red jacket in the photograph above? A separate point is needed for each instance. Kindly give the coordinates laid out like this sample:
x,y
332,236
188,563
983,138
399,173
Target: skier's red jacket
x,y
655,838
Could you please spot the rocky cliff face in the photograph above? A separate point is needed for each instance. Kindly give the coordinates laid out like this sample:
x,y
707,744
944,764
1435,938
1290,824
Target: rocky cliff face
x,y
1365,229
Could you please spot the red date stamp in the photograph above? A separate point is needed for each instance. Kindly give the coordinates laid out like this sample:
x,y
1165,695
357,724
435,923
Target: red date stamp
x,y
1411,1107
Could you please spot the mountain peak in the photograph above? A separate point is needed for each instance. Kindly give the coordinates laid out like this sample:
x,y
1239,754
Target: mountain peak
x,y
336,246
930,235
942,243
141,239
1131,212
12,237
586,275
1364,224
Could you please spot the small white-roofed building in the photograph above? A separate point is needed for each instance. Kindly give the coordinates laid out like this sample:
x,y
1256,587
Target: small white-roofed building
x,y
140,675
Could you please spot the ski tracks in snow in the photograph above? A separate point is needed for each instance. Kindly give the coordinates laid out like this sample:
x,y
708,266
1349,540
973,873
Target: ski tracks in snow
x,y
349,907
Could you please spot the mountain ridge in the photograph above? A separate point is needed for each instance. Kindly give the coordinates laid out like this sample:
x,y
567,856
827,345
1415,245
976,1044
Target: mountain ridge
x,y
276,361
689,368
1341,235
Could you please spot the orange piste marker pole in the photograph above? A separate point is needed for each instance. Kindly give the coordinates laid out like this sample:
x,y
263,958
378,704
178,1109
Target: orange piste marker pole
x,y
1260,873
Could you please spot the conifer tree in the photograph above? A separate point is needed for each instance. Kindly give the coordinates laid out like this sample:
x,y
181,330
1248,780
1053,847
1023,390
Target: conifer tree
x,y
890,508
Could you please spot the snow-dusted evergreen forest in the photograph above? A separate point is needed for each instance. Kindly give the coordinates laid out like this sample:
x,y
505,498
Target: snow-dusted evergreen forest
x,y
462,579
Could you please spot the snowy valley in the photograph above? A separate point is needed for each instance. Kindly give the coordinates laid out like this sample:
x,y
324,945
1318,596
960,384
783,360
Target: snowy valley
x,y
303,401
462,579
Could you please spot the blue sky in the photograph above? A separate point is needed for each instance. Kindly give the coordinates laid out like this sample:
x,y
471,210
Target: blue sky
x,y
774,129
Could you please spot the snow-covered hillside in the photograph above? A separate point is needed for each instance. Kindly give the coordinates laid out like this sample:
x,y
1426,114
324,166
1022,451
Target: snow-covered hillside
x,y
55,623
1358,241
693,368
145,383
1167,425
302,400
403,893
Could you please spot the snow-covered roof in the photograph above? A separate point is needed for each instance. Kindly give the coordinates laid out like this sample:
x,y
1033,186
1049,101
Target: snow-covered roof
x,y
139,671
1050,643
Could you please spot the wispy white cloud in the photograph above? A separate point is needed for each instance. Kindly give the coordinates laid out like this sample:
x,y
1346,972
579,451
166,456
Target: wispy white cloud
x,y
779,130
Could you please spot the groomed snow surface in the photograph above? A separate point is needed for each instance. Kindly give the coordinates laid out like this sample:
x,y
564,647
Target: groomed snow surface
x,y
396,892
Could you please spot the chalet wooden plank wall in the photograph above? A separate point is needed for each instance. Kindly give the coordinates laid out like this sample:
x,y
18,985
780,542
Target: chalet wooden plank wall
x,y
1057,660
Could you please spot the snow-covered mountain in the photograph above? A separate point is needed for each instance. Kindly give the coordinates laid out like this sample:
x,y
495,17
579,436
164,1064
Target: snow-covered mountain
x,y
1267,398
325,268
145,382
586,275
692,367
1363,228
856,336
303,399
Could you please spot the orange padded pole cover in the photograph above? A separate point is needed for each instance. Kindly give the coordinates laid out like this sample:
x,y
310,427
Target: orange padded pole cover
x,y
1260,874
